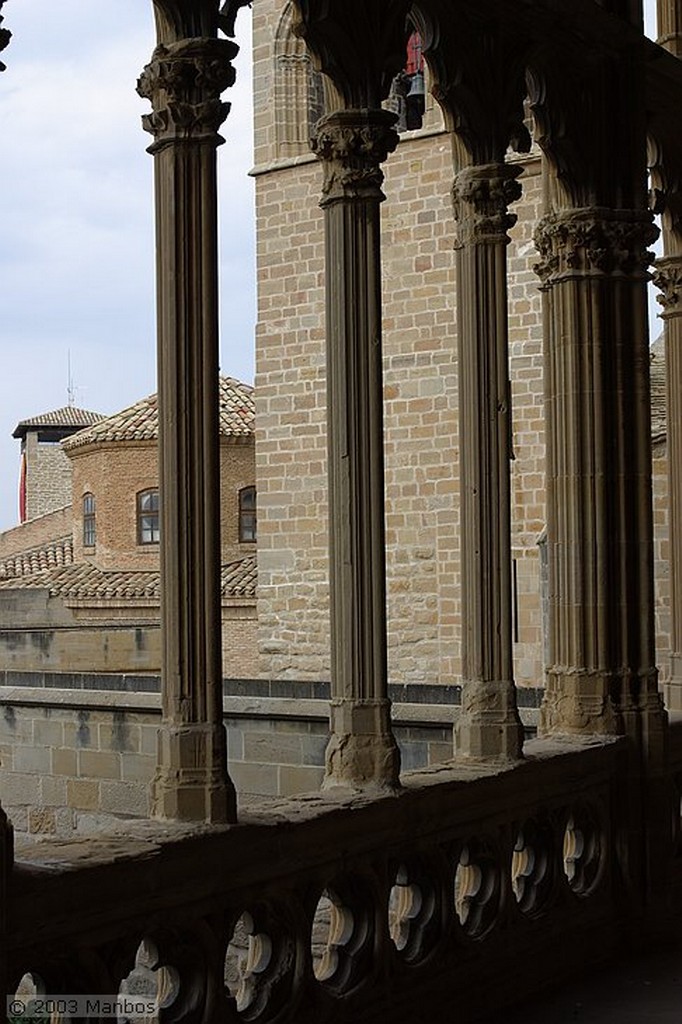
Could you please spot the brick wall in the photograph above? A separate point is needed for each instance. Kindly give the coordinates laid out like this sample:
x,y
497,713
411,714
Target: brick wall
x,y
420,410
115,473
36,532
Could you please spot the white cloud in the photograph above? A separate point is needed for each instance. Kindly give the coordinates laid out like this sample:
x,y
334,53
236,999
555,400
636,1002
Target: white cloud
x,y
77,263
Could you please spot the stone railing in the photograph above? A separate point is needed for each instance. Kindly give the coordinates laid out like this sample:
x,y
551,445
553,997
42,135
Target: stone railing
x,y
470,885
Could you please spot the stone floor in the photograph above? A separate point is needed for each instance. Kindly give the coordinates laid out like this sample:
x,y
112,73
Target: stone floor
x,y
637,990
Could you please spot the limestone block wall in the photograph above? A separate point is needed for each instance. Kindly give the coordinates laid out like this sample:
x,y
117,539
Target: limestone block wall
x,y
79,648
420,367
79,748
48,476
40,632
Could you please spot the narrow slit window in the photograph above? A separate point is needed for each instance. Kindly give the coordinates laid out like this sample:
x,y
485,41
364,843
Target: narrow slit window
x,y
89,521
247,515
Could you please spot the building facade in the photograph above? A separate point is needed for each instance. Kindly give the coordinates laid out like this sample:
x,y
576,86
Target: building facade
x,y
80,584
421,389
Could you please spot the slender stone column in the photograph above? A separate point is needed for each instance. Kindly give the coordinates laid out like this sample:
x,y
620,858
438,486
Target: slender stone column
x,y
602,676
669,16
362,751
489,725
668,278
184,81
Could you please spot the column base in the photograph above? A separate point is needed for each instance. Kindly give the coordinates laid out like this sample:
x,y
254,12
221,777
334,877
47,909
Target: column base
x,y
362,753
191,781
673,688
489,727
578,702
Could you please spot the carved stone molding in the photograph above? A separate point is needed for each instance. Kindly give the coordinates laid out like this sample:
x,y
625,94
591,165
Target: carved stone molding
x,y
352,144
481,196
594,242
668,279
183,82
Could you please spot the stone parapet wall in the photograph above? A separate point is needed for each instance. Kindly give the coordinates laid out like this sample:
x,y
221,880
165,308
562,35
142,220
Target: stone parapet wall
x,y
79,748
40,633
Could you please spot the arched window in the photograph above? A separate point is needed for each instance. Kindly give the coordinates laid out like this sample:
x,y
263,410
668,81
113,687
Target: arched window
x,y
148,517
247,515
89,523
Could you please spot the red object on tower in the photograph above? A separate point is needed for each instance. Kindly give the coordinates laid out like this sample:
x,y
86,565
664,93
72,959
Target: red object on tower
x,y
415,57
22,489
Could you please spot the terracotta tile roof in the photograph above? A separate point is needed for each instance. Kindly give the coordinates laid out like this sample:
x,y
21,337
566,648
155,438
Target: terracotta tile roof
x,y
658,399
83,580
67,416
54,555
140,422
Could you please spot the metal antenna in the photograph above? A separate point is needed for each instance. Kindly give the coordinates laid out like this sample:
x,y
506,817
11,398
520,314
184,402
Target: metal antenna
x,y
70,389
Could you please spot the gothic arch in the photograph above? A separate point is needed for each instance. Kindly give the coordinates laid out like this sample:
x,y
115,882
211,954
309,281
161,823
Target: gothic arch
x,y
299,90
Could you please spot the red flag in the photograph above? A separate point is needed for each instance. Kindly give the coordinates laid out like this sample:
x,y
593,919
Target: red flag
x,y
22,489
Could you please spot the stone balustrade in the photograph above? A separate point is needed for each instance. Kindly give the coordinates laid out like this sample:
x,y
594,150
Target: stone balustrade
x,y
471,883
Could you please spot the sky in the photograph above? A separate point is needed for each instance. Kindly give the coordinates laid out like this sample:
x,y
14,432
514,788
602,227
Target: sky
x,y
76,202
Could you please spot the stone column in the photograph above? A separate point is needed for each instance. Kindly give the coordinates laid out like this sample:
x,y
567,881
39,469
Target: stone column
x,y
602,676
489,725
669,16
184,81
668,278
362,751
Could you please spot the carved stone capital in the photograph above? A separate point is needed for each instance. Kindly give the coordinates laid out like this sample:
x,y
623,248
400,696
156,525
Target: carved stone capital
x,y
668,279
184,81
352,145
594,242
481,196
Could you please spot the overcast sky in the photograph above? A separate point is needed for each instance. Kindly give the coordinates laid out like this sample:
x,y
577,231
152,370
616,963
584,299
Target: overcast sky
x,y
76,255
